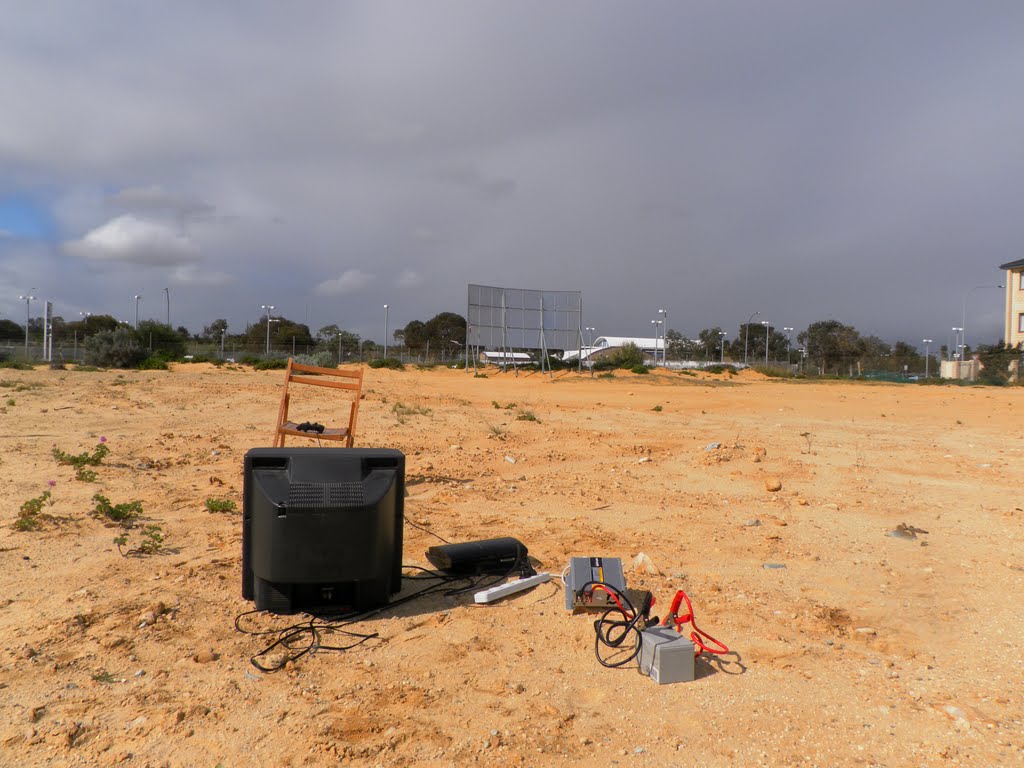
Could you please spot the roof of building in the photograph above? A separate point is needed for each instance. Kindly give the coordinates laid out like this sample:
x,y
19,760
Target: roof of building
x,y
1012,264
618,341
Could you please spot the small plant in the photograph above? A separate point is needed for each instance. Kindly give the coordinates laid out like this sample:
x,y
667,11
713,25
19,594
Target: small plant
x,y
388,362
151,541
496,430
656,409
527,416
479,375
124,514
401,411
806,436
495,404
606,375
85,475
84,459
220,505
30,518
104,677
640,369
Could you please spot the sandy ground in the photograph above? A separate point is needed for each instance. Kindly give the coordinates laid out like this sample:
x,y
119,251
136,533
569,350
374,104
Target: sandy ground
x,y
864,649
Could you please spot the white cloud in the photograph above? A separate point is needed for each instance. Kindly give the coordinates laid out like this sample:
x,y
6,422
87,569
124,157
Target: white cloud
x,y
350,281
408,279
131,240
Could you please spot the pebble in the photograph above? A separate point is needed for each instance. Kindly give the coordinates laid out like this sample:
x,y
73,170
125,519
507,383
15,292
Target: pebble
x,y
644,460
752,523
773,484
712,446
510,460
773,566
147,619
866,631
215,453
802,502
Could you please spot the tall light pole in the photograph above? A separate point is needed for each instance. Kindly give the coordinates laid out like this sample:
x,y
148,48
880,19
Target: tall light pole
x,y
721,345
137,297
268,308
963,321
664,346
385,331
746,335
656,324
168,292
789,342
927,355
27,298
957,343
767,333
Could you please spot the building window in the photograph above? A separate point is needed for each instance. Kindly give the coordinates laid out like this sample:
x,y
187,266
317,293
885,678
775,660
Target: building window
x,y
1020,323
1021,286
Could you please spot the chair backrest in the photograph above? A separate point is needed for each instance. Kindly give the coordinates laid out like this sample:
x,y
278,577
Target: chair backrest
x,y
349,379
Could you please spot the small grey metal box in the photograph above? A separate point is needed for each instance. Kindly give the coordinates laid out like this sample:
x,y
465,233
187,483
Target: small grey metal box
x,y
666,655
601,570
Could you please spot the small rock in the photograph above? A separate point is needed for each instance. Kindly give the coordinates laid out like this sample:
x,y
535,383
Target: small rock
x,y
773,566
760,451
712,446
773,484
866,631
36,713
521,478
215,453
639,751
510,460
753,523
28,652
802,501
205,656
147,619
454,447
644,460
643,564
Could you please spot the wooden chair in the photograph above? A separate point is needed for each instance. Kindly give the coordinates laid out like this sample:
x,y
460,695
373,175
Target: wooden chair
x,y
349,380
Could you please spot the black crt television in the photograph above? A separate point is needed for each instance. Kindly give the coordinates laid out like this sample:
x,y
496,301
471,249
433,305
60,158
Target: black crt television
x,y
322,528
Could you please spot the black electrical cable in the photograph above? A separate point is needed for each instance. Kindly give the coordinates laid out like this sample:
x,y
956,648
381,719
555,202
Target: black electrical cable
x,y
610,633
421,528
313,631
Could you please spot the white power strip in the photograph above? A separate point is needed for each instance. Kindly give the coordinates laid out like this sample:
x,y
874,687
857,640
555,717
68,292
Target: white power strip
x,y
504,590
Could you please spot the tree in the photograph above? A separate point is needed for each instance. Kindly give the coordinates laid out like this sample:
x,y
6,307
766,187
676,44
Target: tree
x,y
444,328
710,339
830,344
161,338
415,334
11,330
215,330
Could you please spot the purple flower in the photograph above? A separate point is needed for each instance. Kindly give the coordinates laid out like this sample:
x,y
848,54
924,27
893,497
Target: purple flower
x,y
103,439
52,483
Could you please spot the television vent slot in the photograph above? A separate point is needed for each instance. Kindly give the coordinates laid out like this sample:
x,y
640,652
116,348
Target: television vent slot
x,y
325,495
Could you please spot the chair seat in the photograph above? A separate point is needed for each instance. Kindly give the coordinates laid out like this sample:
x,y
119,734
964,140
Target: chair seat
x,y
329,432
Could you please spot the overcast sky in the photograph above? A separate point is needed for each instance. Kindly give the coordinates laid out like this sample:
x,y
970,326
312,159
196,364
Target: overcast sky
x,y
860,160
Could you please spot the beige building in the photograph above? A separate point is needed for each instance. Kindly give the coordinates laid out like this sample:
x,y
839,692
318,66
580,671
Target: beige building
x,y
1014,334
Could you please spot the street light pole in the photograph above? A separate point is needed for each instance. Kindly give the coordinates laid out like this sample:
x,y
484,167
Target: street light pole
x,y
168,292
789,343
268,308
746,335
767,332
721,345
963,320
656,324
927,355
664,346
385,331
958,348
27,298
137,297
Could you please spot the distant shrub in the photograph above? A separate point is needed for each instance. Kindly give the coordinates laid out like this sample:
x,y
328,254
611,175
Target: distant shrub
x,y
154,363
627,357
17,365
641,369
388,362
270,365
119,348
775,371
219,505
322,359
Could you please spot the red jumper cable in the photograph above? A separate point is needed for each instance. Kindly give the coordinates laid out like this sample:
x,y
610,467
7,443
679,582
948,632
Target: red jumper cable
x,y
698,635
